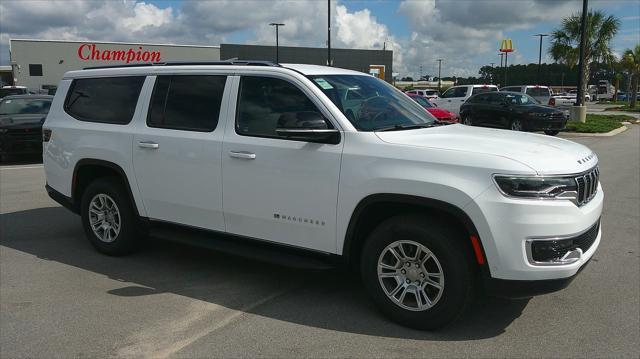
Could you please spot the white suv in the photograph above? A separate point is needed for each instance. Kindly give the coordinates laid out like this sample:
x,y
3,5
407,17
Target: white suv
x,y
455,96
261,159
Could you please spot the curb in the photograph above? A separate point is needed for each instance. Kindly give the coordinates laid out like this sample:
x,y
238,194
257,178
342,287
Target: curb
x,y
606,134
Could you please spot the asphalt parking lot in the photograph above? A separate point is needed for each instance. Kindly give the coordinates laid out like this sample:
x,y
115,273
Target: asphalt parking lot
x,y
60,298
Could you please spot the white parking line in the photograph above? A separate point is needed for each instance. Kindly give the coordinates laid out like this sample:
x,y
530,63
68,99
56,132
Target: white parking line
x,y
20,167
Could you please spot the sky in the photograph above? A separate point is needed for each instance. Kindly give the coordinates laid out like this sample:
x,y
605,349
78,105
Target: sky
x,y
466,34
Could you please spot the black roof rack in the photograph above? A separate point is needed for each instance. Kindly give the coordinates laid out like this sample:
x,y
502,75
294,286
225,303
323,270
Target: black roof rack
x,y
192,63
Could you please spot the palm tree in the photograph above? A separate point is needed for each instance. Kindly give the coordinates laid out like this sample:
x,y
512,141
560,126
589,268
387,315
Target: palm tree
x,y
565,41
631,62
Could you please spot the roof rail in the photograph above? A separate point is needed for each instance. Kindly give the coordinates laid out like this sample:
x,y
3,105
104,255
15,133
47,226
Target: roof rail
x,y
192,63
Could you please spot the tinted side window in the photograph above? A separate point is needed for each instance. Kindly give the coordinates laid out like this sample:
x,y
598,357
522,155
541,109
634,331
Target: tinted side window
x,y
106,99
460,92
495,98
449,93
263,100
189,103
483,89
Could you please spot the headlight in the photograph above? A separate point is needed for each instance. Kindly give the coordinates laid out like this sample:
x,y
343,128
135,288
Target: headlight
x,y
537,187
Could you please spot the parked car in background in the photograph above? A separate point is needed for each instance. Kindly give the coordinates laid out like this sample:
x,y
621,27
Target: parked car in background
x,y
455,96
513,110
430,94
541,93
12,90
21,119
440,114
574,94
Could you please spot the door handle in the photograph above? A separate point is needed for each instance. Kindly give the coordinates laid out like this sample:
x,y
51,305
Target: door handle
x,y
148,144
242,154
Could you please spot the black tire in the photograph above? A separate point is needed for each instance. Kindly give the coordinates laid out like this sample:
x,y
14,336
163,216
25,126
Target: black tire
x,y
467,120
551,133
447,246
516,125
129,238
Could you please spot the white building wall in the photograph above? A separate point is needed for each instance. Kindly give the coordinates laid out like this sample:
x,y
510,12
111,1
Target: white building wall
x,y
58,57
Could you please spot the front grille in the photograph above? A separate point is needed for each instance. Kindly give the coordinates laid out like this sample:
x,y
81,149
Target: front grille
x,y
556,116
550,250
587,185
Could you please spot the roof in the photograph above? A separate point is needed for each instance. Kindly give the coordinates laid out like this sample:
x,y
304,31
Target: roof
x,y
143,70
11,97
320,70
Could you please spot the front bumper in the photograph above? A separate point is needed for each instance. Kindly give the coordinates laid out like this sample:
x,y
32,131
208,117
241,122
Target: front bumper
x,y
507,225
526,288
555,125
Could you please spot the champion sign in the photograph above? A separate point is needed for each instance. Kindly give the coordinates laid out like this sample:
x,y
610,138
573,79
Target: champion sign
x,y
90,52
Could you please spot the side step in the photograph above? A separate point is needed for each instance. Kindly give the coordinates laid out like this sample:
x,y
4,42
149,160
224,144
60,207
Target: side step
x,y
256,249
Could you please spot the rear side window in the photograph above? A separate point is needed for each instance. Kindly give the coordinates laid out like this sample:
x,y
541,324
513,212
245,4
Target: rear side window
x,y
455,92
538,91
106,99
189,103
483,89
264,101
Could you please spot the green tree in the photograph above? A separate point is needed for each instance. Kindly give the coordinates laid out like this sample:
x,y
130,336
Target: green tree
x,y
600,30
631,62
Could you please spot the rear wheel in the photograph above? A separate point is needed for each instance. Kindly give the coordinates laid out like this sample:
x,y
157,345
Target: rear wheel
x,y
551,133
108,217
417,271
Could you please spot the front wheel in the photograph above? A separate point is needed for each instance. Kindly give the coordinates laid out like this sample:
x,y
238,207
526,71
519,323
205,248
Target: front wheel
x,y
467,120
417,271
516,125
551,133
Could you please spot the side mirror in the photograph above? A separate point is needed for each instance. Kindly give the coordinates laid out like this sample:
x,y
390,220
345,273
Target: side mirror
x,y
307,126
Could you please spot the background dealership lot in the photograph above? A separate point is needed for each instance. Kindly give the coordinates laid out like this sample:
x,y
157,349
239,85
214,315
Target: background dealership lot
x,y
58,295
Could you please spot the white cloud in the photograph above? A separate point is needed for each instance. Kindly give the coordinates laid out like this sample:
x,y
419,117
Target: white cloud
x,y
459,31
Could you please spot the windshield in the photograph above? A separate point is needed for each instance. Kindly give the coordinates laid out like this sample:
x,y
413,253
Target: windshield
x,y
23,106
520,99
371,104
422,101
12,91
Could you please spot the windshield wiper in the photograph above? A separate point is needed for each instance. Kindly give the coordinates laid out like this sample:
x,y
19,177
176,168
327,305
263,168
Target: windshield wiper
x,y
405,127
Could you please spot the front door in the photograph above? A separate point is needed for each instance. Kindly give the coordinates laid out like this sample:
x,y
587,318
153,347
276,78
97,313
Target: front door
x,y
277,189
177,151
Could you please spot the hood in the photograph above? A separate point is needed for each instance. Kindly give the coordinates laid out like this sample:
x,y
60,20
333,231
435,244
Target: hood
x,y
19,121
439,113
538,108
542,153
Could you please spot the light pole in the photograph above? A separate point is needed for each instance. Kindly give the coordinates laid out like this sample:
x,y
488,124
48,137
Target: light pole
x,y
328,32
439,74
277,25
492,63
540,54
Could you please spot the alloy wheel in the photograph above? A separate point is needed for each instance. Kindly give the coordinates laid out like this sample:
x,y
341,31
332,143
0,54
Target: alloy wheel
x,y
104,218
410,275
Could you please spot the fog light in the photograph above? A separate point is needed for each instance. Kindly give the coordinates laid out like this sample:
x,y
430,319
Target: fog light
x,y
545,251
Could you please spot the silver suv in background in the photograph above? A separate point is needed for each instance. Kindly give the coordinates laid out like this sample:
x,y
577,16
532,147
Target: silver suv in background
x,y
541,93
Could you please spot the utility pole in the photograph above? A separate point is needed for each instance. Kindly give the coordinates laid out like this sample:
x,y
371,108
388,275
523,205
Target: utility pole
x,y
420,75
583,44
277,25
328,32
540,55
439,74
492,63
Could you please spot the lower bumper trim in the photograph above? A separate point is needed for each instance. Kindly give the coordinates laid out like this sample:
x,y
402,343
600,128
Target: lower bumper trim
x,y
526,288
63,200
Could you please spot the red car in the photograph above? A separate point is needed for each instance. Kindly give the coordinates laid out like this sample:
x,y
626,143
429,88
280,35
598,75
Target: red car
x,y
440,114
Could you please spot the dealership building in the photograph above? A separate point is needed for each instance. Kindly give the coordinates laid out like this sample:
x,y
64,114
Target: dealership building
x,y
40,64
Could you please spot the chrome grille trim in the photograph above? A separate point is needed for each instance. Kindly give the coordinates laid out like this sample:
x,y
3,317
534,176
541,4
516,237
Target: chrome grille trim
x,y
587,185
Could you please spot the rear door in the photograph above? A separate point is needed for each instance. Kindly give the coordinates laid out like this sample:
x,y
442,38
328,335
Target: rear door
x,y
177,150
452,99
275,188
